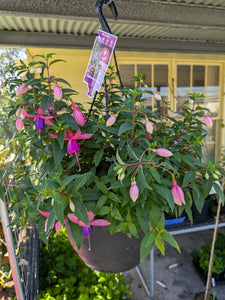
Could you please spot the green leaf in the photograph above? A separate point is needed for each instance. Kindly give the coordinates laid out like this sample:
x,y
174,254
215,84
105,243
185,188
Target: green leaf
x,y
68,179
90,194
160,244
165,193
189,177
61,139
63,81
81,211
55,61
101,186
147,244
125,127
142,179
46,101
155,174
219,191
2,191
169,239
133,229
57,153
131,152
58,209
76,232
101,202
81,180
68,119
114,197
116,214
198,197
51,220
143,217
97,157
119,158
104,211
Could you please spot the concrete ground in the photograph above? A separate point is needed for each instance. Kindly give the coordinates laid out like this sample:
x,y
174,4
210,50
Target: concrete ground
x,y
182,281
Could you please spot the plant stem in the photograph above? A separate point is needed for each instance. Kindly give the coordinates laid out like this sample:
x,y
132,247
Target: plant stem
x,y
209,277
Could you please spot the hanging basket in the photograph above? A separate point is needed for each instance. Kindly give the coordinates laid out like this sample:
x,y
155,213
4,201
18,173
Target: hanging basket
x,y
109,253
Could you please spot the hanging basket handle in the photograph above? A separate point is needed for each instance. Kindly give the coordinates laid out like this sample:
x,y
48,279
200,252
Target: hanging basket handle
x,y
102,19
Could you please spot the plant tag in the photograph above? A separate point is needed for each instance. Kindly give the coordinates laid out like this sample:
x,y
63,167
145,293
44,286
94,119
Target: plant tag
x,y
99,60
213,282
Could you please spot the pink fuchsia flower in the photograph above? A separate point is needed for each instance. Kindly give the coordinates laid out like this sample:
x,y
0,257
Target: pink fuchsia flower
x,y
149,126
175,115
87,230
177,193
22,89
111,120
72,145
207,121
58,225
39,119
19,123
57,92
134,191
149,136
157,96
163,152
78,115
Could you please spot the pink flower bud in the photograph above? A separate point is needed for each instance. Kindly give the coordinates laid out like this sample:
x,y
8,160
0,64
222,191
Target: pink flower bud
x,y
163,152
157,96
207,121
22,89
32,70
149,137
177,193
149,126
3,85
19,123
78,115
175,115
134,191
57,92
111,120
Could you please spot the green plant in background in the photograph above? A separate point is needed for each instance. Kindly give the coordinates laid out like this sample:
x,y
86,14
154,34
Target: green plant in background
x,y
129,168
63,275
203,255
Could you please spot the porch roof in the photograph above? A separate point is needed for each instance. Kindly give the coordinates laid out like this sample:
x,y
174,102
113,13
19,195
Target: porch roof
x,y
196,26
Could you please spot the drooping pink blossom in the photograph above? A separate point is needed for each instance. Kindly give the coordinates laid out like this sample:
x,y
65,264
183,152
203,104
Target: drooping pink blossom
x,y
72,146
87,230
58,225
57,92
19,123
78,115
149,126
22,89
134,191
111,120
208,121
163,152
177,193
157,96
39,119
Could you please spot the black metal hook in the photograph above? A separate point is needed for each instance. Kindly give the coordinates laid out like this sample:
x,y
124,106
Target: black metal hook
x,y
102,19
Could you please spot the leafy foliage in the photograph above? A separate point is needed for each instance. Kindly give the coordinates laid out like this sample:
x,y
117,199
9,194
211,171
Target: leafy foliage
x,y
63,275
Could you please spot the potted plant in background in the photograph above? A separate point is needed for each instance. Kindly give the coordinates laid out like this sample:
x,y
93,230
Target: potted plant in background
x,y
115,176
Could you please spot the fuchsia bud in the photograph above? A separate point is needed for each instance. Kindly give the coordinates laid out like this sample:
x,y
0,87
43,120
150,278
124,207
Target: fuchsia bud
x,y
111,120
134,191
19,123
177,193
57,92
175,115
22,89
78,115
149,137
207,121
149,126
163,152
157,96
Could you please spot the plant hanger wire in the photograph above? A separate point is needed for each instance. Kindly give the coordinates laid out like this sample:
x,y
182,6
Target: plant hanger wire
x,y
106,28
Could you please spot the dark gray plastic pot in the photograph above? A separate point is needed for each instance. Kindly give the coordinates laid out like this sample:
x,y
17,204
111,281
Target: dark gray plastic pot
x,y
109,253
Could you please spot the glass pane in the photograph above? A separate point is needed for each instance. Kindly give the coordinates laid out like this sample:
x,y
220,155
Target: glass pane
x,y
127,72
198,83
181,98
212,103
183,78
213,78
147,69
208,150
160,78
